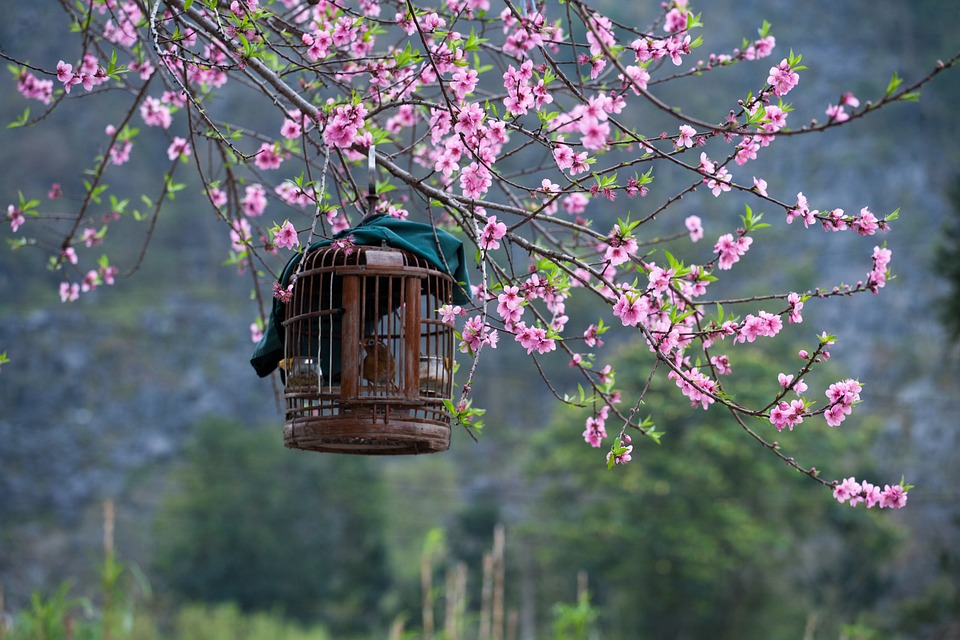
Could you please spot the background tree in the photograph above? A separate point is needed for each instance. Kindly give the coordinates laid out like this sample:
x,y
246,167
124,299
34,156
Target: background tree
x,y
947,264
253,525
704,537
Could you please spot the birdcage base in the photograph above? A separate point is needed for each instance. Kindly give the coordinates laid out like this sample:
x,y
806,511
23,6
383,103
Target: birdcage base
x,y
347,434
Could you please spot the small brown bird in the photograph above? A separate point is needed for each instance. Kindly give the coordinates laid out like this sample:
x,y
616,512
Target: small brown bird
x,y
379,366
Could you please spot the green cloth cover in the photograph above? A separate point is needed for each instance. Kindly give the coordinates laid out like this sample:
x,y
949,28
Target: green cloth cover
x,y
439,248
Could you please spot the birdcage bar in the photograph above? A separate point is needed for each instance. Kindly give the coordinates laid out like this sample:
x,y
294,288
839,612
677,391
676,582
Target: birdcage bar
x,y
363,326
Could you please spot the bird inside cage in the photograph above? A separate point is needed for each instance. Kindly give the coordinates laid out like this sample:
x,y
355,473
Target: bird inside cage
x,y
379,366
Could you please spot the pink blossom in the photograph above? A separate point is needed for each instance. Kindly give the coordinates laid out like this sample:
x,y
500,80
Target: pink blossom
x,y
871,494
847,490
685,139
345,244
802,210
659,278
782,78
834,221
676,20
69,292
256,332
267,157
464,82
623,457
120,152
109,274
842,396
90,281
449,312
877,277
796,306
180,147
637,78
254,201
286,236
55,191
893,496
606,375
776,118
155,114
240,235
592,337
695,385
492,233
475,180
595,431
787,415
630,309
866,224
764,325
33,88
476,334
722,364
89,237
836,113
534,339
282,294
730,250
695,226
761,48
218,197
16,217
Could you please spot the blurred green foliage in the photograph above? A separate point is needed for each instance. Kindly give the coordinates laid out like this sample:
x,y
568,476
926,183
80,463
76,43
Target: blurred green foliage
x,y
268,529
706,535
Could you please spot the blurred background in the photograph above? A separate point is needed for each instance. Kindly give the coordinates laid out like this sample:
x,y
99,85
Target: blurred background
x,y
137,407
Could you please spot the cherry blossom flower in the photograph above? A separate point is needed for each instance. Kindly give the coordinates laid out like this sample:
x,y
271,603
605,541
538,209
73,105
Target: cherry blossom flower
x,y
695,226
893,496
448,313
15,216
476,334
685,139
595,431
256,332
267,157
34,88
492,233
796,306
179,148
155,113
802,210
787,415
283,294
731,250
847,490
782,78
286,236
69,292
254,200
877,277
866,224
622,457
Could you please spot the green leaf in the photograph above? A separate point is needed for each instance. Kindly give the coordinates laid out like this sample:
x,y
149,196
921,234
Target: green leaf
x,y
895,82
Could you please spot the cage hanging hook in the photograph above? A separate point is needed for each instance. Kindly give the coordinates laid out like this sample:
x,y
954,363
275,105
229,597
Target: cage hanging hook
x,y
371,184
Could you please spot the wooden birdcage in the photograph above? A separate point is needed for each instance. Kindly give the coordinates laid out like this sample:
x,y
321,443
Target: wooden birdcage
x,y
367,362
